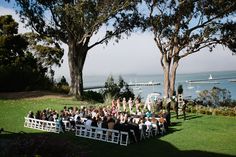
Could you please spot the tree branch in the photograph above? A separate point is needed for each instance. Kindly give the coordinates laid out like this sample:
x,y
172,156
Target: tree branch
x,y
199,48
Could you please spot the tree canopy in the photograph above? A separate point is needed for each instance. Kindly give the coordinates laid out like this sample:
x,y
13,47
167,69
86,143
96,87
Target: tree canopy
x,y
184,27
19,68
75,22
12,44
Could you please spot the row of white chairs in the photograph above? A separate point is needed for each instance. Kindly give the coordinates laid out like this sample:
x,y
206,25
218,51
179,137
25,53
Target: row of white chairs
x,y
49,126
101,134
108,135
96,133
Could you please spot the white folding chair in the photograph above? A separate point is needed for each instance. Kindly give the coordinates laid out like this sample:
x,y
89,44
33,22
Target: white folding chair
x,y
124,137
113,136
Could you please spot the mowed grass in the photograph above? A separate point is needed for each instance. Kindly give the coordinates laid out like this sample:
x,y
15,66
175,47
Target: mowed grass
x,y
199,135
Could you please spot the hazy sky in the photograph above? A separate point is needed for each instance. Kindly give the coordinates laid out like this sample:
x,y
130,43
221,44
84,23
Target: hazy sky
x,y
139,55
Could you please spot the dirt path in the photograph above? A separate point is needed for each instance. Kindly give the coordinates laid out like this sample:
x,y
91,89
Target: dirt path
x,y
31,95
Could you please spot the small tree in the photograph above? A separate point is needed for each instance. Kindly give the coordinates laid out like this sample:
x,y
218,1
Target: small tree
x,y
111,87
116,90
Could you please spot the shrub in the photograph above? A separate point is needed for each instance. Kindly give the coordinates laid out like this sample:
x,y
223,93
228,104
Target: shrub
x,y
93,96
202,111
193,110
232,113
215,97
208,112
216,112
61,89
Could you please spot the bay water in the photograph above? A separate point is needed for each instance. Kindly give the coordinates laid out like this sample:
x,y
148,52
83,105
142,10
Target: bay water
x,y
190,89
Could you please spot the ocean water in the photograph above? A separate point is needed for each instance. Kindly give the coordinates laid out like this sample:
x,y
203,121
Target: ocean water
x,y
190,90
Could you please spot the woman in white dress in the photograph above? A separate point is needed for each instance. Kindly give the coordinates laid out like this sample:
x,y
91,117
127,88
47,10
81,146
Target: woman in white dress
x,y
124,104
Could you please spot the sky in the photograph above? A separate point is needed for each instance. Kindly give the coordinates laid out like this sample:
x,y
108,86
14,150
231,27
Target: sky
x,y
138,55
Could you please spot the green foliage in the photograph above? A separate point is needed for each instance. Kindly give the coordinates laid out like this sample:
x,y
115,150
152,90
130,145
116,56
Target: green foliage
x,y
185,138
19,69
12,45
223,111
46,49
215,97
228,33
93,96
15,78
117,90
111,87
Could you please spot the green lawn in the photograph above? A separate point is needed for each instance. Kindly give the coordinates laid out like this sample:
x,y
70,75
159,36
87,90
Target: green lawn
x,y
199,135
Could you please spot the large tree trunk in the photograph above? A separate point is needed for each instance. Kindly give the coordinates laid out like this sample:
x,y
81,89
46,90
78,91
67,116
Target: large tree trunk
x,y
166,82
173,77
166,69
76,58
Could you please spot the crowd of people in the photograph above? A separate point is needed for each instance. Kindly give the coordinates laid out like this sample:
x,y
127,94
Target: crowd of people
x,y
120,115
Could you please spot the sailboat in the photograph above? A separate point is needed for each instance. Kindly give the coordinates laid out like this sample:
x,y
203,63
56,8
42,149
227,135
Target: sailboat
x,y
210,77
190,87
210,80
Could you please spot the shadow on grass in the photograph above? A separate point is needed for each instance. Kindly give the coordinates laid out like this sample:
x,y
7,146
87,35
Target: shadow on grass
x,y
191,116
176,123
39,144
188,116
68,145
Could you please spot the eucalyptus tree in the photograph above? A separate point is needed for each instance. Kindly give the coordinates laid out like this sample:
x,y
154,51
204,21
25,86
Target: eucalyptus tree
x,y
47,51
12,44
75,22
184,27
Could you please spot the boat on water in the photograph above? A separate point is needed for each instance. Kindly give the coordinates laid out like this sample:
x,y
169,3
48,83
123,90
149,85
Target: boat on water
x,y
204,82
210,77
190,87
232,80
210,80
197,91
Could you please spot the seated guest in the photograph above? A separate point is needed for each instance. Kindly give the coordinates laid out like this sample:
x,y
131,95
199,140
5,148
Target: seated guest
x,y
99,122
148,122
88,122
30,114
110,123
50,118
79,121
55,115
117,125
38,115
104,123
154,120
94,122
